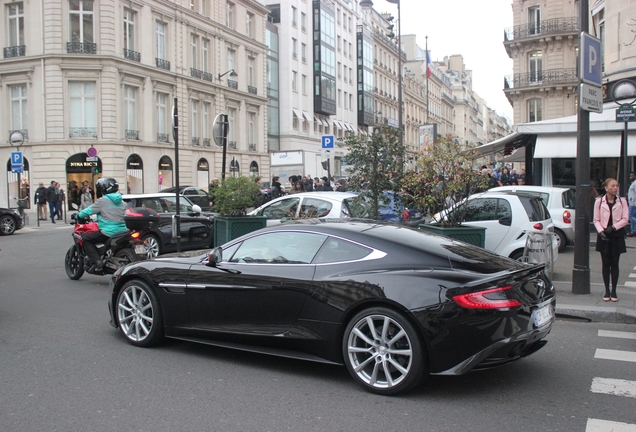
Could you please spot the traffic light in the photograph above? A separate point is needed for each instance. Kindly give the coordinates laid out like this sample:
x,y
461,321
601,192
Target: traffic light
x,y
325,164
95,171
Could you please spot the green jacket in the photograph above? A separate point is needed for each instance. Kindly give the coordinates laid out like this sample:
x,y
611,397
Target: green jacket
x,y
110,210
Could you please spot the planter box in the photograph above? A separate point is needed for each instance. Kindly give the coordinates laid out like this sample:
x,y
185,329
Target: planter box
x,y
472,235
229,228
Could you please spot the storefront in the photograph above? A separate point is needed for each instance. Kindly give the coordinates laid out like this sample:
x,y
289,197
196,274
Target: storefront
x,y
18,186
203,174
165,176
134,174
79,169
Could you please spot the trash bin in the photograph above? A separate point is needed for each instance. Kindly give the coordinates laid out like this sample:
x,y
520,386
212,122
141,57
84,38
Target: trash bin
x,y
538,250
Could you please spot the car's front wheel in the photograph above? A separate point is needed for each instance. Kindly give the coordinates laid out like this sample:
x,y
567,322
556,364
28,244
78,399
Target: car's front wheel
x,y
7,225
139,314
383,351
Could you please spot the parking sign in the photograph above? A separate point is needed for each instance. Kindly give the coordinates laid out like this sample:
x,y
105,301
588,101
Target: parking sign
x,y
591,66
327,141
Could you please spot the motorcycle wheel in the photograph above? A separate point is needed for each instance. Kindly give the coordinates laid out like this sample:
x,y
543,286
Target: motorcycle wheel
x,y
127,255
74,263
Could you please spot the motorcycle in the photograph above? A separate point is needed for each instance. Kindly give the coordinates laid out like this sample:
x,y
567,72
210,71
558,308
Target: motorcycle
x,y
120,249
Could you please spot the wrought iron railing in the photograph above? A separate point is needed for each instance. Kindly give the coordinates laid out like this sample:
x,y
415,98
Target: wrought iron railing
x,y
232,145
132,55
195,141
162,137
541,78
206,142
14,51
132,134
252,147
232,84
82,132
196,73
252,89
81,48
163,64
545,27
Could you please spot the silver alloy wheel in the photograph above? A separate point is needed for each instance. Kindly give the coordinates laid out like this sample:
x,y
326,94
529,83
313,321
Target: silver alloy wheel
x,y
152,244
380,351
7,225
135,312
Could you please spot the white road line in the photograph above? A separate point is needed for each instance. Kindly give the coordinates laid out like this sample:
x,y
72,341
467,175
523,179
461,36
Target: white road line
x,y
632,275
630,284
616,387
628,356
596,425
617,334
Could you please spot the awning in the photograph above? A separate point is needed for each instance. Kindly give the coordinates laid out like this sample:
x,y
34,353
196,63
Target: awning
x,y
349,127
337,123
307,117
297,113
515,140
565,146
320,122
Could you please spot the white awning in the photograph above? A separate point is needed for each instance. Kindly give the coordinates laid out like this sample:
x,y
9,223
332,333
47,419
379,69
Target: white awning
x,y
307,117
351,127
337,123
320,122
564,146
498,145
297,113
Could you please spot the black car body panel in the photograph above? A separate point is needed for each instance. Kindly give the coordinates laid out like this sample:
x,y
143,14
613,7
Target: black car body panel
x,y
303,308
14,221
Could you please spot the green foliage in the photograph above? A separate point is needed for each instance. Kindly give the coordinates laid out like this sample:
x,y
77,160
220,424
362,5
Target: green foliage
x,y
236,195
377,163
445,176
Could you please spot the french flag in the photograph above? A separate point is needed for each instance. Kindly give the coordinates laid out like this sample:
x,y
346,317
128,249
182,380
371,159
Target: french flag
x,y
429,65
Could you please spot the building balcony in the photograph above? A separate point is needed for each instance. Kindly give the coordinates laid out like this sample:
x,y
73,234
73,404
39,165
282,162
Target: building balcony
x,y
81,48
14,51
546,27
252,89
232,145
252,147
195,141
163,64
232,84
543,78
132,55
131,134
162,138
206,142
83,132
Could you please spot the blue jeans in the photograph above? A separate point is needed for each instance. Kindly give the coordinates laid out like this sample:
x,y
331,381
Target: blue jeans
x,y
632,219
52,209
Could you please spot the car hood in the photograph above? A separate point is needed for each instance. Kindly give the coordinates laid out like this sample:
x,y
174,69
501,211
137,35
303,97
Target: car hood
x,y
189,255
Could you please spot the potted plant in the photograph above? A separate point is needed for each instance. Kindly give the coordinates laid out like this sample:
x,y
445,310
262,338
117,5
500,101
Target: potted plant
x,y
232,198
445,177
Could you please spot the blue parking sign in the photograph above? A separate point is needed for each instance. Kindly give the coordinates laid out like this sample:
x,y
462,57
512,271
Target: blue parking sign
x,y
16,158
590,60
327,141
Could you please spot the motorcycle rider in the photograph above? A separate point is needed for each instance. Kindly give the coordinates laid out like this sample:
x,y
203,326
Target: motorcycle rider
x,y
110,210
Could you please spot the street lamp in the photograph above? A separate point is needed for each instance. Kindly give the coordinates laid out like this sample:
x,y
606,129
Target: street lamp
x,y
232,73
625,112
368,4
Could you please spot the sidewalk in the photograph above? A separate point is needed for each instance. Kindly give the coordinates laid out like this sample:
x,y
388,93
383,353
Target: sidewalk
x,y
592,306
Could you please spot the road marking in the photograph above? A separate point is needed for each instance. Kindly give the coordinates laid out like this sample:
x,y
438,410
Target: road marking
x,y
632,275
630,284
628,356
617,334
596,425
616,387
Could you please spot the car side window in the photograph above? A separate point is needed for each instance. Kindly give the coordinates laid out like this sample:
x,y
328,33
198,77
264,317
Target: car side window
x,y
315,208
503,208
171,203
152,203
279,248
338,250
281,209
481,209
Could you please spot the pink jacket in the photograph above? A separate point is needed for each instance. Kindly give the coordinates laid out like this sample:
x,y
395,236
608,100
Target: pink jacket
x,y
620,213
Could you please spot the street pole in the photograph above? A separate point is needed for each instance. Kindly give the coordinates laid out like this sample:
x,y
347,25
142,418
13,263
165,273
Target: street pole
x,y
400,124
175,134
427,73
581,270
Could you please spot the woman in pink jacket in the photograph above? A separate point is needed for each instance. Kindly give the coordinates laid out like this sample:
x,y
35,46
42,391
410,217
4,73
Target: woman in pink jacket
x,y
611,214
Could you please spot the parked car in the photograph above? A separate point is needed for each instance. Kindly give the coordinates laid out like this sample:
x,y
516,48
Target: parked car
x,y
197,228
10,221
507,217
195,194
400,208
305,205
391,303
560,201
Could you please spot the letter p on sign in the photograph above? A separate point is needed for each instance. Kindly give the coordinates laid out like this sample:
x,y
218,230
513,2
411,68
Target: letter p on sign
x,y
590,59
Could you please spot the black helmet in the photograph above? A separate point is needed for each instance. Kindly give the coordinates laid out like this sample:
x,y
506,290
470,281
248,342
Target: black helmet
x,y
106,186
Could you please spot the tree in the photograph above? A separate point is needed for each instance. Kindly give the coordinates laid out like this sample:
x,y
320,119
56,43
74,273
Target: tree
x,y
376,163
235,195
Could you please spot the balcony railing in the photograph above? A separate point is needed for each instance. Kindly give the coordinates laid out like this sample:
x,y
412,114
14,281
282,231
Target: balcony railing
x,y
132,55
232,145
206,142
545,27
252,89
252,147
232,84
82,132
162,137
542,78
163,64
14,51
81,48
132,134
195,141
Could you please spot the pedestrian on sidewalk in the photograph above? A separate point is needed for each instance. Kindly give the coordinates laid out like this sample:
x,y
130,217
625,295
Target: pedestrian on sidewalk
x,y
51,198
86,198
631,195
40,200
611,215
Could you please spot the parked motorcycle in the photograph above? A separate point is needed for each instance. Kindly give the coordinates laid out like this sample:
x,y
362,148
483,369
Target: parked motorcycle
x,y
120,249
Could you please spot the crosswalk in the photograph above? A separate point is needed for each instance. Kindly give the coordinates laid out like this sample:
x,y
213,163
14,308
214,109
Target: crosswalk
x,y
612,386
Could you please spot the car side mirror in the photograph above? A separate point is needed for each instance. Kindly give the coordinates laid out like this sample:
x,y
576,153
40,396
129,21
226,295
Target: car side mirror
x,y
196,208
506,220
215,256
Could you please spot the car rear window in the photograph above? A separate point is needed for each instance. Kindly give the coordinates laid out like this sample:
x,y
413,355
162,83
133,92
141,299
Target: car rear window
x,y
569,199
535,209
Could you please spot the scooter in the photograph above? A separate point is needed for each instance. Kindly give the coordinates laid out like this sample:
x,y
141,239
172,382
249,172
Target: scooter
x,y
120,249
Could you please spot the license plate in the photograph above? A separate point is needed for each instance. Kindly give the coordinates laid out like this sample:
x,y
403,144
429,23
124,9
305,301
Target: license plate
x,y
141,250
542,315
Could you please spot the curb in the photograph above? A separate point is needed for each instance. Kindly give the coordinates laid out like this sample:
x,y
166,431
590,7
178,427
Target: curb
x,y
598,313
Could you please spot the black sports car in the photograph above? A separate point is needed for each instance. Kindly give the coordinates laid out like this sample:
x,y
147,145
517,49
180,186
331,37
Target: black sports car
x,y
10,221
392,303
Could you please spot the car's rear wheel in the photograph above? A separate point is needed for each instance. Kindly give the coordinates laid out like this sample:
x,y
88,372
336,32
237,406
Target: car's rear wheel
x,y
383,352
562,240
152,244
7,225
127,256
139,314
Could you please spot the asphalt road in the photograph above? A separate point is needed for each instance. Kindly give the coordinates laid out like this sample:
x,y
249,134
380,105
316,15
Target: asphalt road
x,y
64,368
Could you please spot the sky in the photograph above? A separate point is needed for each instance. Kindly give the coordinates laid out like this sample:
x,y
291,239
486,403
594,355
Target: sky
x,y
472,28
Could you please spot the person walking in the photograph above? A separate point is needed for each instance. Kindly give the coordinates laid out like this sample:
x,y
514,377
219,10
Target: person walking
x,y
60,200
86,200
276,188
611,215
297,188
326,184
40,200
51,198
631,196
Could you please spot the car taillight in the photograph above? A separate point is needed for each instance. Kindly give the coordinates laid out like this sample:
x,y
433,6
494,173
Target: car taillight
x,y
135,234
405,215
567,217
538,226
478,300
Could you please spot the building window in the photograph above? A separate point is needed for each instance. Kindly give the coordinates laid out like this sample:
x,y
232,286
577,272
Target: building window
x,y
194,122
294,81
303,21
304,84
294,48
19,107
250,71
129,29
231,120
294,13
229,15
535,66
81,21
346,98
162,117
249,25
15,15
207,110
534,20
193,50
230,59
251,130
82,109
160,38
205,55
130,111
535,112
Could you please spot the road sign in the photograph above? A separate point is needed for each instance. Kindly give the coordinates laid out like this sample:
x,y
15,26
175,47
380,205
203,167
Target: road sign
x,y
91,152
625,113
326,153
16,158
591,98
327,141
590,63
16,169
92,159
